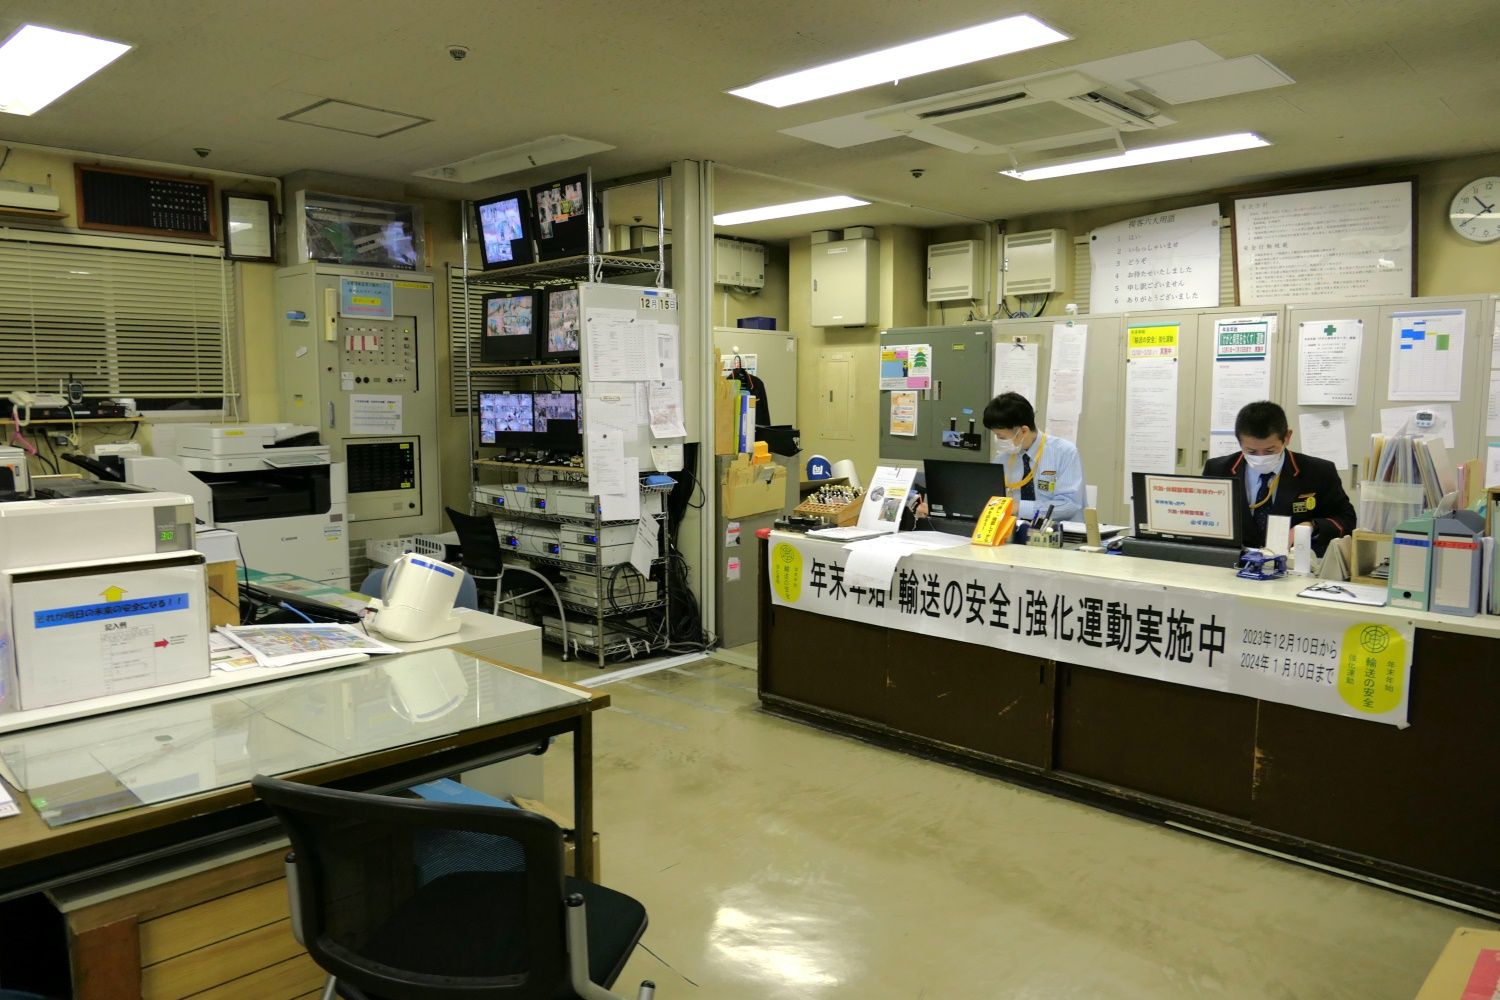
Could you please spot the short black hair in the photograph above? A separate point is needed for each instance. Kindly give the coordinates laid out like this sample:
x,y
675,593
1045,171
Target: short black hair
x,y
1260,420
1009,410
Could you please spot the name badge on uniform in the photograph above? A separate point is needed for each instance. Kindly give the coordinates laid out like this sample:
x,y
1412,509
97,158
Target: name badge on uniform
x,y
1305,503
1047,480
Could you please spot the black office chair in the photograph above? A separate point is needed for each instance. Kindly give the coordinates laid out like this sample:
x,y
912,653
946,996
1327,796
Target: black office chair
x,y
484,560
405,899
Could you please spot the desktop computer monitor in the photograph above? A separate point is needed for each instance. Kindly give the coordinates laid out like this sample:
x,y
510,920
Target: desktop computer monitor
x,y
556,422
560,342
959,490
1191,519
509,327
505,230
507,418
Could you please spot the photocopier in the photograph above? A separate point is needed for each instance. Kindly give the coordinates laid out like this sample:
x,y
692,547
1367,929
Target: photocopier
x,y
275,485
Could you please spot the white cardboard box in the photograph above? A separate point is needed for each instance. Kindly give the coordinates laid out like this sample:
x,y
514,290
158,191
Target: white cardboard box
x,y
94,629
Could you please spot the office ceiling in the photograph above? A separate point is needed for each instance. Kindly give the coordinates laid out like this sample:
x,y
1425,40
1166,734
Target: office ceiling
x,y
1376,81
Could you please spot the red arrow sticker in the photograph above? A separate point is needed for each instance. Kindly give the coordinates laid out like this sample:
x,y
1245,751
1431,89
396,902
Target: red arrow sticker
x,y
160,644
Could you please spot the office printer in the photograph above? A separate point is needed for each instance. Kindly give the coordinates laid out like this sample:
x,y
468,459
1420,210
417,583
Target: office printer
x,y
99,594
275,485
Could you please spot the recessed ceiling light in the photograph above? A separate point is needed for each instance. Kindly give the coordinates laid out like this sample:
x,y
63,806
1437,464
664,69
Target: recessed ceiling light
x,y
783,211
1148,154
38,65
900,62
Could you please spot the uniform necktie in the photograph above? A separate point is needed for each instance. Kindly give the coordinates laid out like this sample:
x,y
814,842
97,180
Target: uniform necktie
x,y
1263,506
1028,491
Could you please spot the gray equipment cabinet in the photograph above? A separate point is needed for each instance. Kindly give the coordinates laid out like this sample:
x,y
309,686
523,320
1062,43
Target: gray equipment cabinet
x,y
950,412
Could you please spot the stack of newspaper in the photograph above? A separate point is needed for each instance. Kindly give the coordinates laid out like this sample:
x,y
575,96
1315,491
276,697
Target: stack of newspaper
x,y
288,645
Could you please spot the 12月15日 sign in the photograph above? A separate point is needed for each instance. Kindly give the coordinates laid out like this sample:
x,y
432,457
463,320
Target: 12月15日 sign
x,y
1329,659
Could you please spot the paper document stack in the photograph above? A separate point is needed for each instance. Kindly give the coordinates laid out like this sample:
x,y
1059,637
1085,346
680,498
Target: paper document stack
x,y
288,645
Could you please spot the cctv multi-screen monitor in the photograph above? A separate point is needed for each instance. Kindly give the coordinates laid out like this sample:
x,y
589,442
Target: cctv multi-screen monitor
x,y
505,230
546,421
509,326
561,217
560,342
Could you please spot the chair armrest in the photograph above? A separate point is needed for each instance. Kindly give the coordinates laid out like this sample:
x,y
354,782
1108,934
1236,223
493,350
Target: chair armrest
x,y
578,957
294,897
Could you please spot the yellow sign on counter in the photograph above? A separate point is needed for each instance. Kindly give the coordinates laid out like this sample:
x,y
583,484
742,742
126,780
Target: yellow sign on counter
x,y
996,522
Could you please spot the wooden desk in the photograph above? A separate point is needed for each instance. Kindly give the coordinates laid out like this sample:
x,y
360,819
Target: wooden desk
x,y
1416,806
195,834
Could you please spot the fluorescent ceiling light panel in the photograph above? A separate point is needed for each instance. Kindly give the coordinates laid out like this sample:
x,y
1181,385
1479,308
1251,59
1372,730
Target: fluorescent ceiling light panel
x,y
1149,154
813,206
956,48
38,65
514,159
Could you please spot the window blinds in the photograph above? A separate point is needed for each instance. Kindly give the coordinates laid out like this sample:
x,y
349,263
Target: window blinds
x,y
151,322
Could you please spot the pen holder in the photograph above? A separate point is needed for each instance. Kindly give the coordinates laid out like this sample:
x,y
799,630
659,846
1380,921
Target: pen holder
x,y
1049,538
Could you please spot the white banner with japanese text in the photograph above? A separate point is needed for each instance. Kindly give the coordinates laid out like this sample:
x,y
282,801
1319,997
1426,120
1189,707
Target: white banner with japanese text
x,y
1331,658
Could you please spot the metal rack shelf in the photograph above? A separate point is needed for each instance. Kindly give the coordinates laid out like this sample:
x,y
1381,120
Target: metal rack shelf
x,y
592,266
537,515
623,609
491,463
583,267
537,369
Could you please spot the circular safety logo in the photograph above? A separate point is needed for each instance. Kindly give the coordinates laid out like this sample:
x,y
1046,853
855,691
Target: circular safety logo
x,y
786,572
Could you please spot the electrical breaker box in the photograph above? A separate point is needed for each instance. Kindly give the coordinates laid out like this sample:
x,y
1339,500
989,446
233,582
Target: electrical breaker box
x,y
1035,263
955,271
845,283
740,264
356,351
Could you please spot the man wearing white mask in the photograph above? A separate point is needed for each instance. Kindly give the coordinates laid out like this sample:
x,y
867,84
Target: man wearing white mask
x,y
1041,470
1276,480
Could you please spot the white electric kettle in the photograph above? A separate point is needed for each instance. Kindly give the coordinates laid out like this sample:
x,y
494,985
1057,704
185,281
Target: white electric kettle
x,y
416,599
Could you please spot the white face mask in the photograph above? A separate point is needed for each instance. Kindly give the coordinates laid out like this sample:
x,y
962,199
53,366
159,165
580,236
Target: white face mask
x,y
1005,447
1261,464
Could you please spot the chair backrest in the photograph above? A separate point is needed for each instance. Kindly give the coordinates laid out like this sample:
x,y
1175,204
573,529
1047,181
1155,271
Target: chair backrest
x,y
482,554
414,900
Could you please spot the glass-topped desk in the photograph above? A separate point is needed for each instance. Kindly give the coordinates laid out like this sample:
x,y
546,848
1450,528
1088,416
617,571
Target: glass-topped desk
x,y
374,726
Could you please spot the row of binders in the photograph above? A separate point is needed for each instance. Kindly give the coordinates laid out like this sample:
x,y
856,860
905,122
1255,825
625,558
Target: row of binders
x,y
1446,564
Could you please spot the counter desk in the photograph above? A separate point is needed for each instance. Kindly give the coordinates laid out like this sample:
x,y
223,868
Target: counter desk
x,y
1357,737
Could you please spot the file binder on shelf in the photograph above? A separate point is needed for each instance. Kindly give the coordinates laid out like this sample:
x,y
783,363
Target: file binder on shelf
x,y
1411,564
1457,561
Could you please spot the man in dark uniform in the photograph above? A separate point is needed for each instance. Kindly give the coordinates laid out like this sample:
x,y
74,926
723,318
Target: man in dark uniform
x,y
1276,480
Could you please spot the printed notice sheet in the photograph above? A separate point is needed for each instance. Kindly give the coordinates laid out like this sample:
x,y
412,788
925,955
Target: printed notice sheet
x,y
1328,356
1427,355
374,414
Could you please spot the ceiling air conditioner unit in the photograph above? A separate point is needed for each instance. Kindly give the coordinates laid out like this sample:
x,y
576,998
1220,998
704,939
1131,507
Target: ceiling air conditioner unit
x,y
1067,110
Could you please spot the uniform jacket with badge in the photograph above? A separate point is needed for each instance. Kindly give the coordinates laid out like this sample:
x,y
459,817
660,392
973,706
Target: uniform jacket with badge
x,y
1309,492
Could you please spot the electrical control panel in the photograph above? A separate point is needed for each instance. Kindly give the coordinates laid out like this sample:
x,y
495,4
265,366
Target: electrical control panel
x,y
378,354
356,352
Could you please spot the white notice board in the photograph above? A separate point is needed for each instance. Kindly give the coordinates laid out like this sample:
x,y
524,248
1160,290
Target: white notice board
x,y
1338,245
1169,260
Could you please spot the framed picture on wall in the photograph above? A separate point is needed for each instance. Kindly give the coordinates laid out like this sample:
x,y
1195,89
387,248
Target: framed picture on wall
x,y
249,227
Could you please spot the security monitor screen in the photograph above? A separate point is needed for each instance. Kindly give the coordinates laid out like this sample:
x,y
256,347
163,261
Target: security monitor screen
x,y
504,230
559,406
562,321
502,414
561,212
509,315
